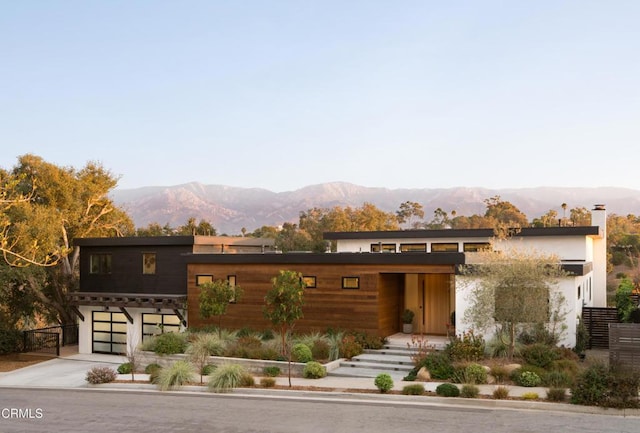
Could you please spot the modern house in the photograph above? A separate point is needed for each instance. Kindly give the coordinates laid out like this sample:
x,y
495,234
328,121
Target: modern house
x,y
134,287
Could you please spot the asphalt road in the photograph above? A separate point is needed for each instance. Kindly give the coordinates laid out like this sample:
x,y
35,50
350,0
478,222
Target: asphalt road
x,y
91,411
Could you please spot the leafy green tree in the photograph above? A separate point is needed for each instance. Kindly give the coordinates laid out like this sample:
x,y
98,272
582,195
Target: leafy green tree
x,y
624,302
215,297
440,220
580,216
155,229
408,210
550,219
513,289
203,228
283,306
49,206
504,213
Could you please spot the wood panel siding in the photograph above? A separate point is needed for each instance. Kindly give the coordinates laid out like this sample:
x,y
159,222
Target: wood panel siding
x,y
373,308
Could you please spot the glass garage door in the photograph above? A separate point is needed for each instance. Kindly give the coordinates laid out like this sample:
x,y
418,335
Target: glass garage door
x,y
109,333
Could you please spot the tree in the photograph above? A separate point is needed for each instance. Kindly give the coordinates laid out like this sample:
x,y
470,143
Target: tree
x,y
407,211
203,228
155,229
505,213
440,220
514,289
580,216
549,219
49,206
215,297
283,306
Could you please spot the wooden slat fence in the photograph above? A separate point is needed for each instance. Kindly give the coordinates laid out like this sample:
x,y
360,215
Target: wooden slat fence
x,y
597,322
624,344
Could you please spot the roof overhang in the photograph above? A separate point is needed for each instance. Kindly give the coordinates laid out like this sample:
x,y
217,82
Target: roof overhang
x,y
122,300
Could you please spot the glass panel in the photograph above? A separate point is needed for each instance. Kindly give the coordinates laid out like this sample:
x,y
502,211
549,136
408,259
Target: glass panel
x,y
171,328
201,279
102,326
406,248
171,319
150,329
119,327
350,282
386,248
119,317
149,263
152,318
102,336
101,347
98,315
472,247
119,348
119,338
444,247
309,282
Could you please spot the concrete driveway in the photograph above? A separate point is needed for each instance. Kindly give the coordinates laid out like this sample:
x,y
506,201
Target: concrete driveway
x,y
60,372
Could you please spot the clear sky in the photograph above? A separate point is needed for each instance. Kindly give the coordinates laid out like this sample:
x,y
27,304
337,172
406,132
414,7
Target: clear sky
x,y
283,94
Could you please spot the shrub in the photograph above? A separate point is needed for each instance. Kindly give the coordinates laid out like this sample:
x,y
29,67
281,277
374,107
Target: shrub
x,y
499,372
267,335
125,368
271,371
469,391
557,379
556,394
245,332
208,369
570,367
10,340
206,345
447,390
101,375
368,341
501,392
530,396
177,374
228,376
301,353
537,334
590,387
349,347
267,382
624,386
439,365
528,379
466,347
320,350
539,354
150,368
314,370
475,374
383,382
169,343
413,389
249,347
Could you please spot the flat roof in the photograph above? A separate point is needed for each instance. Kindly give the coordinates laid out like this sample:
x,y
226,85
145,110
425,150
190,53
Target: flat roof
x,y
462,233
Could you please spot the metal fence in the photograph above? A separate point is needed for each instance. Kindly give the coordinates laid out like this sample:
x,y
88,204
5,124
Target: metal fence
x,y
49,340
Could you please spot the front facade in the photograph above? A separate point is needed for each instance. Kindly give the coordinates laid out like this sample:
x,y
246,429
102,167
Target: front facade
x,y
134,287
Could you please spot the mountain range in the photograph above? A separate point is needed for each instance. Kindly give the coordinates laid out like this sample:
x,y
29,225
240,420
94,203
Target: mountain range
x,y
229,208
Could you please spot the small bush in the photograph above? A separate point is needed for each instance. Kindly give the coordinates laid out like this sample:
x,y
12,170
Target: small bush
x,y
368,341
10,340
539,354
101,375
591,386
557,379
208,369
530,396
469,391
124,368
439,365
349,347
169,343
150,368
229,376
177,374
301,353
320,350
413,389
447,390
556,394
267,382
624,386
528,379
245,332
475,374
501,392
314,370
383,382
466,347
271,371
249,347
499,372
267,335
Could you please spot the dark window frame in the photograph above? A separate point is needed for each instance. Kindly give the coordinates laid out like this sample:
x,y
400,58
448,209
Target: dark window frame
x,y
445,245
312,278
110,331
163,325
474,247
386,248
406,248
346,286
208,277
149,262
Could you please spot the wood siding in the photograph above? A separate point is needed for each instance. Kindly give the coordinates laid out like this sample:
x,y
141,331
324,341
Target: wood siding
x,y
373,308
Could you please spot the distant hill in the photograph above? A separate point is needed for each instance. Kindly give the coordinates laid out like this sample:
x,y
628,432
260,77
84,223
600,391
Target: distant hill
x,y
231,208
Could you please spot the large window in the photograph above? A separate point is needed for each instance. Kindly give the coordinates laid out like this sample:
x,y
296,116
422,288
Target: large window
x,y
474,247
109,333
100,263
154,324
148,263
448,247
413,248
385,248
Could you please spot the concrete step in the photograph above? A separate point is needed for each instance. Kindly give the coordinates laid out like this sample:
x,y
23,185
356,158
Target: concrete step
x,y
392,352
366,372
383,359
376,366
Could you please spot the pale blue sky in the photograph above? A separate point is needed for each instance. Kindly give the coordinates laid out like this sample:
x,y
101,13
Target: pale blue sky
x,y
283,94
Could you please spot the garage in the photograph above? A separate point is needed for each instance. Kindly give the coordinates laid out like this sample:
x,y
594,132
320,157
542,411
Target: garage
x,y
109,333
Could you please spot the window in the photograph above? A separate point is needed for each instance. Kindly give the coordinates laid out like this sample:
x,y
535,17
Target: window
x,y
309,282
413,248
154,324
100,263
148,263
444,247
474,247
350,282
109,332
385,248
202,279
231,279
